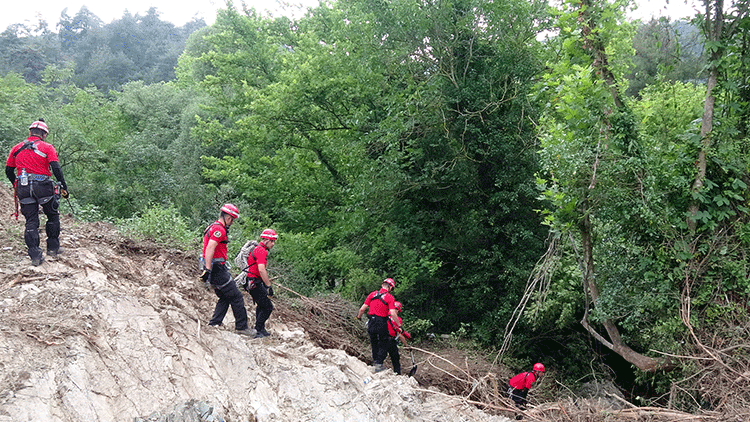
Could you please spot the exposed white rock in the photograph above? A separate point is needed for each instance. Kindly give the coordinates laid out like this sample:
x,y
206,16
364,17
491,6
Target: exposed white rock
x,y
92,337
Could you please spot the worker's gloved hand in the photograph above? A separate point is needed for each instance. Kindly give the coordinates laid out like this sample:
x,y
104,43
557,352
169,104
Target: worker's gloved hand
x,y
64,193
407,335
205,275
270,291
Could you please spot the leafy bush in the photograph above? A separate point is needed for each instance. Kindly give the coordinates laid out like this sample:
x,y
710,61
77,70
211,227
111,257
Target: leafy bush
x,y
360,282
418,327
161,225
84,212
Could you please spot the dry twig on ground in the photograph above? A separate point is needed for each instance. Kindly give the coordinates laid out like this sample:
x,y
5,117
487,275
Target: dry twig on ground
x,y
328,320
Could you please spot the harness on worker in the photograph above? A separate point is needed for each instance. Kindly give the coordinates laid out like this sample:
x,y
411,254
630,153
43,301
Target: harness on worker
x,y
205,232
27,144
511,389
201,258
32,146
379,295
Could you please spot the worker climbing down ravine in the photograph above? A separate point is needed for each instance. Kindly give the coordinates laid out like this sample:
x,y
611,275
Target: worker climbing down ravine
x,y
518,386
258,283
215,242
382,308
396,333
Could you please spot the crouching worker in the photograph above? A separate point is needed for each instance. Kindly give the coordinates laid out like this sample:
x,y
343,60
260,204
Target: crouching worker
x,y
382,306
518,386
397,333
217,274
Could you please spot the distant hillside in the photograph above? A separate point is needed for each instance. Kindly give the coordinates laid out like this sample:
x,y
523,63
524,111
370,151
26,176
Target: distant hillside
x,y
690,38
107,56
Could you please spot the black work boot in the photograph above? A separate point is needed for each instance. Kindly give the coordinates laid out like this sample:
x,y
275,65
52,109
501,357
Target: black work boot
x,y
55,253
246,332
260,334
37,261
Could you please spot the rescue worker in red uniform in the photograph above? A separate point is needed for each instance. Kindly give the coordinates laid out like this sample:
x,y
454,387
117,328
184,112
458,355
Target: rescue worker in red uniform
x,y
217,274
518,386
396,334
259,284
382,306
28,169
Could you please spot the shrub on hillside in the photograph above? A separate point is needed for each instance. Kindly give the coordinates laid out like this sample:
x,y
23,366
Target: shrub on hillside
x,y
161,225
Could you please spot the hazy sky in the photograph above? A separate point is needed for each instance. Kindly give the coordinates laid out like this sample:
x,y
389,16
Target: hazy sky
x,y
181,11
674,9
177,12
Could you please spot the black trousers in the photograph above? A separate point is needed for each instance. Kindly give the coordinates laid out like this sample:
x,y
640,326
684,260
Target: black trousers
x,y
31,197
393,352
377,328
518,396
229,295
263,305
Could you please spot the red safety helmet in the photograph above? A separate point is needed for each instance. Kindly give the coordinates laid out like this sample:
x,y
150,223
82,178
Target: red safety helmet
x,y
231,209
398,305
39,124
269,234
390,282
539,367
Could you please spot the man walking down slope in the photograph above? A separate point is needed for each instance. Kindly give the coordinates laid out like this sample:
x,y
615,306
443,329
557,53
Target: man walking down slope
x,y
396,335
215,241
259,284
28,169
518,386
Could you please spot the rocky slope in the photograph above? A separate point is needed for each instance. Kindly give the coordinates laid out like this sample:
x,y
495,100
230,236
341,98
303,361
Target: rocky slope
x,y
114,330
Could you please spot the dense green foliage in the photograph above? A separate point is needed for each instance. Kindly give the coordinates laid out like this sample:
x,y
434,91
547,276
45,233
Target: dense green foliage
x,y
404,163
441,143
104,55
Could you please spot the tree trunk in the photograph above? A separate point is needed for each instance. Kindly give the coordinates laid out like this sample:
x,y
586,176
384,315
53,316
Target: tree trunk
x,y
640,361
713,30
596,48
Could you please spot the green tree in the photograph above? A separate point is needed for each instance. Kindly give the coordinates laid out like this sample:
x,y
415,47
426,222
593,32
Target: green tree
x,y
595,162
20,104
665,51
128,49
27,52
621,175
396,135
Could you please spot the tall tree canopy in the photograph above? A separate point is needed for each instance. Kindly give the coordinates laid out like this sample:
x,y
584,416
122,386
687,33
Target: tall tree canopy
x,y
393,139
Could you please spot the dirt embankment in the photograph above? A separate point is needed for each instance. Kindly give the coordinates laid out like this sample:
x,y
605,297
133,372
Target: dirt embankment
x,y
114,330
